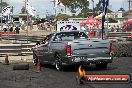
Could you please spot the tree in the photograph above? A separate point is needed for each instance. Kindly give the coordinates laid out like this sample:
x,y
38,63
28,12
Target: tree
x,y
23,10
4,4
62,16
83,7
85,11
99,8
75,5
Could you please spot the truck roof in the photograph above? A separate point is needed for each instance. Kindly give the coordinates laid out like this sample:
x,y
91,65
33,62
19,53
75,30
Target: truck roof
x,y
70,31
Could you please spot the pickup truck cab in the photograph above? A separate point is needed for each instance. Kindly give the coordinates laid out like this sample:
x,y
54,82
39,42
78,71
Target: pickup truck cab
x,y
72,48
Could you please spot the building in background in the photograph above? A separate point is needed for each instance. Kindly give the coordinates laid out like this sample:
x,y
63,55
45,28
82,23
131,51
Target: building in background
x,y
127,14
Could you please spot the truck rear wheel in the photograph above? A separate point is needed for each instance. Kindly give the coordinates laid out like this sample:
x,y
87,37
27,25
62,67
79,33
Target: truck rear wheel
x,y
58,66
101,65
58,63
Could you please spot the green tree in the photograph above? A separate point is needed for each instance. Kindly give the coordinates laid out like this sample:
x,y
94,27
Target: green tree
x,y
23,10
99,8
4,4
76,5
62,16
85,11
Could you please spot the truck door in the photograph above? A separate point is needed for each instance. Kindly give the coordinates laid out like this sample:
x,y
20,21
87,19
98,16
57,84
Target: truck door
x,y
42,50
48,51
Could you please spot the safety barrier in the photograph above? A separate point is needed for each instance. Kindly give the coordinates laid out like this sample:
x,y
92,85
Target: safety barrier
x,y
16,49
119,34
22,38
7,32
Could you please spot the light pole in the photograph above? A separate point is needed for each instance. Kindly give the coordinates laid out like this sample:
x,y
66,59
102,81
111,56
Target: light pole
x,y
129,1
73,13
27,17
93,7
54,6
105,5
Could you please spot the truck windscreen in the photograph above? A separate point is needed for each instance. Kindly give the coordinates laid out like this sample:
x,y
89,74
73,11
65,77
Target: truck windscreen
x,y
69,36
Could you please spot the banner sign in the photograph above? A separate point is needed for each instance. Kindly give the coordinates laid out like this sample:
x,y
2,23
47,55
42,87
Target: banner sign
x,y
68,25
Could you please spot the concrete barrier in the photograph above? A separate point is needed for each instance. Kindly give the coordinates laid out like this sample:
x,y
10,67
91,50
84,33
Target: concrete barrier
x,y
16,49
119,34
22,38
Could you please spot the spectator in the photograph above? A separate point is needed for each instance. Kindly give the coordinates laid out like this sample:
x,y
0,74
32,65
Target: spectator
x,y
117,29
37,43
11,29
112,29
83,28
17,29
5,29
91,32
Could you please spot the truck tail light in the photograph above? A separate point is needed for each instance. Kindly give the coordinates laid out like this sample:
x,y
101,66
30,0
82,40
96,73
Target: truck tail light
x,y
68,50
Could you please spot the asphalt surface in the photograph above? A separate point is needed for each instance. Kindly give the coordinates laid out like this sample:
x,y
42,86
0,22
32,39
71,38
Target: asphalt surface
x,y
50,78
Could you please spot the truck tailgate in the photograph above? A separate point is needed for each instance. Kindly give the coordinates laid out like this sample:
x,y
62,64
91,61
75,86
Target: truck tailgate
x,y
91,48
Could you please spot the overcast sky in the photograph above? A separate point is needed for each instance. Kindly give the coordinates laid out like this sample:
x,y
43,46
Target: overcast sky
x,y
42,6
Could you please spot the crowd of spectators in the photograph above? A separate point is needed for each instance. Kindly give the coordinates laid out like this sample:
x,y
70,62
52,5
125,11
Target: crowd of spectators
x,y
114,28
47,26
10,28
126,28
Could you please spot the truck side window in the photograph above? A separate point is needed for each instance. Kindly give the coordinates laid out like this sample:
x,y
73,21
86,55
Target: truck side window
x,y
58,37
46,39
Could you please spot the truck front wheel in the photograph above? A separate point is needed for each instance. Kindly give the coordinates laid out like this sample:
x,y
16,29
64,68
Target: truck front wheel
x,y
35,60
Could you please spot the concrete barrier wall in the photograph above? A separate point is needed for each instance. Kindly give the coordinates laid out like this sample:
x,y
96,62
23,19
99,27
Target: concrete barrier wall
x,y
16,49
22,38
119,34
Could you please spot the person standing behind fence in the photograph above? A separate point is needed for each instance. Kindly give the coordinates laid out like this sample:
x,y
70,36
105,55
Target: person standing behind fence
x,y
17,29
91,32
11,29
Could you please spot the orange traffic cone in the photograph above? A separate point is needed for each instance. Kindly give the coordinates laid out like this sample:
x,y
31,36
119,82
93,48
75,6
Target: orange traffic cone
x,y
6,60
38,67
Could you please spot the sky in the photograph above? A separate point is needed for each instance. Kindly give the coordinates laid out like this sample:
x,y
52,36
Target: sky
x,y
46,6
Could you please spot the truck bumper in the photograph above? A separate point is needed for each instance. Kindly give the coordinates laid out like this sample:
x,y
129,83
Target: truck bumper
x,y
85,61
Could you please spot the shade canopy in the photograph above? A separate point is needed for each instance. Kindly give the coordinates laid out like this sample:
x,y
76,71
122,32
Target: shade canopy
x,y
91,21
83,23
129,21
